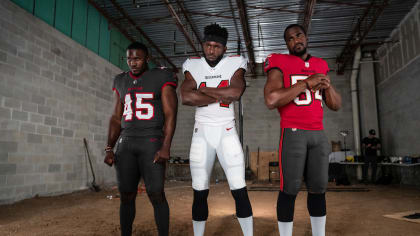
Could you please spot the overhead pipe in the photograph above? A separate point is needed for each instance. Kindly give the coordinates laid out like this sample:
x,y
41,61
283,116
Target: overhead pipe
x,y
355,100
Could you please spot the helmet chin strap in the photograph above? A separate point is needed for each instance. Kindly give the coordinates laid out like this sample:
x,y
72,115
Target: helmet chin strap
x,y
215,62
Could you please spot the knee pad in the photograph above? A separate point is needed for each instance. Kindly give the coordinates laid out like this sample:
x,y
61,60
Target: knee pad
x,y
128,197
156,197
316,204
243,206
285,207
200,210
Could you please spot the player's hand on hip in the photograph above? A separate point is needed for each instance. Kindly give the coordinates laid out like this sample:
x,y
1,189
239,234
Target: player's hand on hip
x,y
109,158
161,156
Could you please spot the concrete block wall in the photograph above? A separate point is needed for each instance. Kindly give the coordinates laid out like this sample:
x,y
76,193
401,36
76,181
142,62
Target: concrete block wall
x,y
397,87
262,126
53,93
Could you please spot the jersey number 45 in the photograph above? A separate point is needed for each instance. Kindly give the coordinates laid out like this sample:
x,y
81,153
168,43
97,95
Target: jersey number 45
x,y
143,110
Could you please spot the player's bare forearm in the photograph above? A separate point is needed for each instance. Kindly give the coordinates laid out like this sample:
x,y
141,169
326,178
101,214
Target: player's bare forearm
x,y
191,96
275,95
332,98
231,93
196,98
114,128
225,94
114,131
170,109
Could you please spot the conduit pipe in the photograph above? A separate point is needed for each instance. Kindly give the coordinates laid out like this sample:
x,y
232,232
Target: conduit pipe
x,y
355,100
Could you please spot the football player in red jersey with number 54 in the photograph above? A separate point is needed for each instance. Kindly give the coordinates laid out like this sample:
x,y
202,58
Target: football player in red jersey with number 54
x,y
297,84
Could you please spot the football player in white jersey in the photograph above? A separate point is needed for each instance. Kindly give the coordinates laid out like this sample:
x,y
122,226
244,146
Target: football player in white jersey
x,y
212,83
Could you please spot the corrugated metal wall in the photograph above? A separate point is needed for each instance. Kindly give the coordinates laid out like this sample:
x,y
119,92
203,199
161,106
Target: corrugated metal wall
x,y
84,24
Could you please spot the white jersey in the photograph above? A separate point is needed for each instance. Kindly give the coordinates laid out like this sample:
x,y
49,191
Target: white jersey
x,y
214,77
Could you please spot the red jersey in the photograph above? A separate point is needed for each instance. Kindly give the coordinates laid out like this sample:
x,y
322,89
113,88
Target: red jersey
x,y
305,111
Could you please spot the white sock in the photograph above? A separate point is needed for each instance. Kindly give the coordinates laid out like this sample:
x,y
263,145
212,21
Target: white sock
x,y
318,225
199,227
285,228
246,226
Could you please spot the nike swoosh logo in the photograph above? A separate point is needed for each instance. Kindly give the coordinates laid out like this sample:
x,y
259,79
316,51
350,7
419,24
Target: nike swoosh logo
x,y
229,128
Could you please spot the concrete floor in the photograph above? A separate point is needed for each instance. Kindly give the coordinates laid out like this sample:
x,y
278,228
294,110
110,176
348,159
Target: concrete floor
x,y
89,213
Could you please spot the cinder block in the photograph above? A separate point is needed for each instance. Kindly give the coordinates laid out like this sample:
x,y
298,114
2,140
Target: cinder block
x,y
52,102
3,56
38,99
60,79
69,115
6,146
71,176
34,138
3,156
8,169
5,113
54,168
25,56
31,67
42,129
56,131
15,61
23,191
44,110
9,125
35,118
2,180
12,103
7,47
32,179
52,188
7,193
50,120
39,188
68,133
15,180
47,74
29,107
27,127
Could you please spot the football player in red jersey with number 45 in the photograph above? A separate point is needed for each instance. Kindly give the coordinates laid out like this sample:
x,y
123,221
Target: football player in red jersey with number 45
x,y
296,85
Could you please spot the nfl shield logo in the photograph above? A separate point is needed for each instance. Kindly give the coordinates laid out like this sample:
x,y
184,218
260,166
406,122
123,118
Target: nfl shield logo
x,y
306,64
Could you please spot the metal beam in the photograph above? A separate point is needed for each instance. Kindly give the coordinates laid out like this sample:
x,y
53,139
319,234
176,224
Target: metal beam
x,y
188,19
346,3
181,26
209,14
132,22
281,9
116,25
309,11
359,32
247,34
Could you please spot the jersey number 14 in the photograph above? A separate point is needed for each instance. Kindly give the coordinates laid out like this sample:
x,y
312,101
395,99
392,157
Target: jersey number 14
x,y
143,110
222,84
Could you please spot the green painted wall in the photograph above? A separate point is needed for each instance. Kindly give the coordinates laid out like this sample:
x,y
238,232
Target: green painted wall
x,y
45,9
84,24
63,16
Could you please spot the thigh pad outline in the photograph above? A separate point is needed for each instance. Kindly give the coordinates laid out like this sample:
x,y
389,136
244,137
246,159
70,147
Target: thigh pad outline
x,y
198,151
232,151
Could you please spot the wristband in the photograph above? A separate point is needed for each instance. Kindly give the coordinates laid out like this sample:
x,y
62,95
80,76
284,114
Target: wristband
x,y
109,149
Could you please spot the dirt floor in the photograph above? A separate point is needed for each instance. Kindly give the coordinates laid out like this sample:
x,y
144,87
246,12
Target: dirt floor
x,y
90,213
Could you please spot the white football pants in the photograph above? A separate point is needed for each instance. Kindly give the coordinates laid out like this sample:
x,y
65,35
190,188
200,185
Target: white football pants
x,y
207,141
